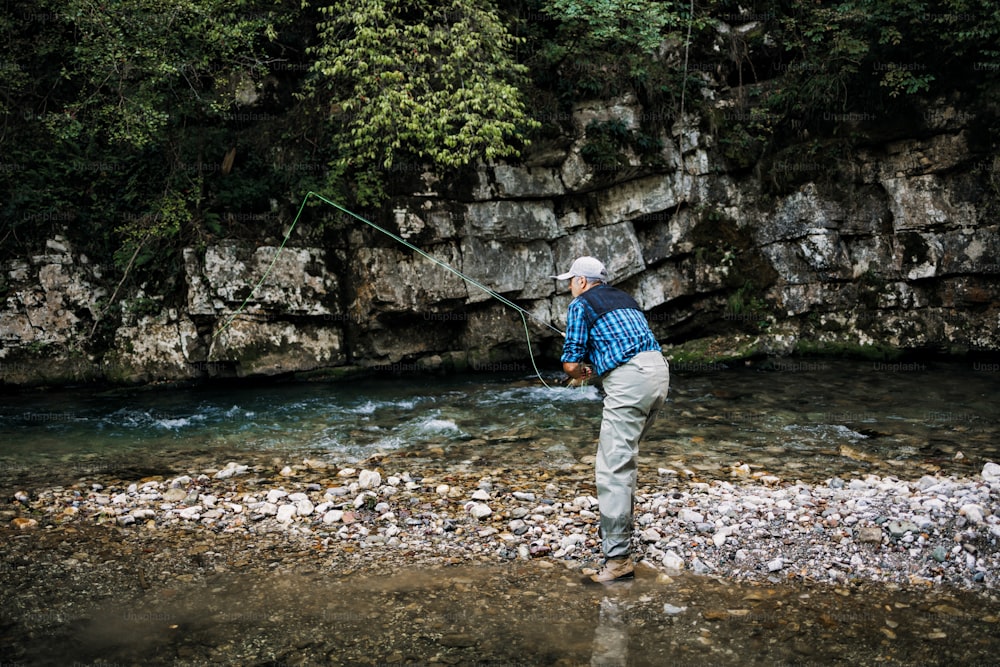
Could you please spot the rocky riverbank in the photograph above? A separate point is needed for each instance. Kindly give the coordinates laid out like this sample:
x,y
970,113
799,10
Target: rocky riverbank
x,y
128,537
752,526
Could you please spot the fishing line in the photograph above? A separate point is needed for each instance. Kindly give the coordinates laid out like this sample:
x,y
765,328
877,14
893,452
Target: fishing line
x,y
507,302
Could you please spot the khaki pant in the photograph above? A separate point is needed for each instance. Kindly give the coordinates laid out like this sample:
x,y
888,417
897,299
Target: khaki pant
x,y
634,393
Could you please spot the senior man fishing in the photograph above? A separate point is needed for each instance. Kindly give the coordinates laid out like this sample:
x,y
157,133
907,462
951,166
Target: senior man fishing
x,y
606,327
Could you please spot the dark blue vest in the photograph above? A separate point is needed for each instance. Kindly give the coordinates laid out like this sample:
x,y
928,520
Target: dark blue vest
x,y
603,299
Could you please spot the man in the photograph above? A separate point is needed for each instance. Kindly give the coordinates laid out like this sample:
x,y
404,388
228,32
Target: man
x,y
606,327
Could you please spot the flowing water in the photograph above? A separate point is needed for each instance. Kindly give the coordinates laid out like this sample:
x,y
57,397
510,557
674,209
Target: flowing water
x,y
797,419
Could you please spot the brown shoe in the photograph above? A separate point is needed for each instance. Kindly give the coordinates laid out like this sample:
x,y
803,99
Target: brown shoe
x,y
613,570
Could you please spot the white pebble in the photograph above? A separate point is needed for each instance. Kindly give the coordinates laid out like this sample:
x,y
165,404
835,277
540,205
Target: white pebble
x,y
672,561
690,516
231,470
480,510
991,472
369,479
973,513
274,495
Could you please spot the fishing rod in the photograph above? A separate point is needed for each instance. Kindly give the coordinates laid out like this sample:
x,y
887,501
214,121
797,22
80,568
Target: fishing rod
x,y
471,281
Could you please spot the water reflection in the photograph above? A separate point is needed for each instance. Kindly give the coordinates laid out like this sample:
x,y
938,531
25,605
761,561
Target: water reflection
x,y
611,634
522,614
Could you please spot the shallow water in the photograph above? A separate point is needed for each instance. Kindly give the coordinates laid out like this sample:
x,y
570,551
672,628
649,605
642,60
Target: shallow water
x,y
803,419
799,419
523,614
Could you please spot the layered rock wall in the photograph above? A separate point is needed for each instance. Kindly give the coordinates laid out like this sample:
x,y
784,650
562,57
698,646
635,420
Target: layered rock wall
x,y
895,247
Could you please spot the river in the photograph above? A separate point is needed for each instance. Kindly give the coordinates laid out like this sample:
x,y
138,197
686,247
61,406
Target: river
x,y
807,420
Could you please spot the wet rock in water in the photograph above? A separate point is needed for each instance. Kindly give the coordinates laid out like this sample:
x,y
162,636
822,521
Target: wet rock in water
x,y
701,567
22,523
457,640
232,469
22,497
672,610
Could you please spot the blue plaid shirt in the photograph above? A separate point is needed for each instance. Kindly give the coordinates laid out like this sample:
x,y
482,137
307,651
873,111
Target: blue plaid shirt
x,y
608,341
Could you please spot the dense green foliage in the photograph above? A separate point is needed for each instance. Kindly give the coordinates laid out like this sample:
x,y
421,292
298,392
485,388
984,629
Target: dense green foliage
x,y
431,81
110,109
854,71
138,127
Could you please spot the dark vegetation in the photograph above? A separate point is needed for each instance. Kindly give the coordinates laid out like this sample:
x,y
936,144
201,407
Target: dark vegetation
x,y
138,127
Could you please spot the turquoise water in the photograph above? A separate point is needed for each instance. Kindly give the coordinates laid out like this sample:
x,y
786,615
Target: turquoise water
x,y
798,419
808,419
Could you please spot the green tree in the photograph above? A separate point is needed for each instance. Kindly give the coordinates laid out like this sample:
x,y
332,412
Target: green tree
x,y
617,26
429,80
135,64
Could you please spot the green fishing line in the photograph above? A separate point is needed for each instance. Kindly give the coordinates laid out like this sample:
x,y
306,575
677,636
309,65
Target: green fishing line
x,y
507,302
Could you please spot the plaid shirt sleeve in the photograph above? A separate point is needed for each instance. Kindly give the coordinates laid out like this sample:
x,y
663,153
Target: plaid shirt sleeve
x,y
575,345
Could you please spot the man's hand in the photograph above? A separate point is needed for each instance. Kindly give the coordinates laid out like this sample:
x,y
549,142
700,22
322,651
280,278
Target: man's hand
x,y
578,373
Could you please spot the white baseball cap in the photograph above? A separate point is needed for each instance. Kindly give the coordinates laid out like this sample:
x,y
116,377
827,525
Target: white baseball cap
x,y
587,267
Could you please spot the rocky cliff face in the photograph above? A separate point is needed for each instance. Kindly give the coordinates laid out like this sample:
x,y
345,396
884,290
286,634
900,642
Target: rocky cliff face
x,y
897,246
